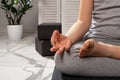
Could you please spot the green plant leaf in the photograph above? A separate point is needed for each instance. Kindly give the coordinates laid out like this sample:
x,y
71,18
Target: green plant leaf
x,y
2,7
3,2
15,9
26,8
9,6
23,1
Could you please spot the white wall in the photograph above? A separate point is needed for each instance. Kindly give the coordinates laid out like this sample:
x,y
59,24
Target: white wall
x,y
29,20
70,10
3,21
49,11
64,11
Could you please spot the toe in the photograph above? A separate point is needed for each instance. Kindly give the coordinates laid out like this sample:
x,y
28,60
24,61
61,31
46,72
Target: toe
x,y
82,52
86,48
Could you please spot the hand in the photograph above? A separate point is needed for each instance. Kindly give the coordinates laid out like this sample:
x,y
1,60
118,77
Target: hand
x,y
60,42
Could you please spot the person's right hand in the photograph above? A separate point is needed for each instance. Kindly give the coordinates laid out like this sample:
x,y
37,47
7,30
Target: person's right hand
x,y
60,43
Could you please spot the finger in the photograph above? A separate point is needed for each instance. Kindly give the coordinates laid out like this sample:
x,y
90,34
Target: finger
x,y
60,51
54,49
68,46
54,37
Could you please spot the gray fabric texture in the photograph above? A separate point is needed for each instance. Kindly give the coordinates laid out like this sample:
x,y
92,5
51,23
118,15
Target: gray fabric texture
x,y
70,63
106,21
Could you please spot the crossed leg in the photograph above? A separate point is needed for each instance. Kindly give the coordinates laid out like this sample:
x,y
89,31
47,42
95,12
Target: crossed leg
x,y
93,48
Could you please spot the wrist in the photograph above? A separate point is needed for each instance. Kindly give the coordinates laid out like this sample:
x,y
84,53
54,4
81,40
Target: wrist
x,y
70,38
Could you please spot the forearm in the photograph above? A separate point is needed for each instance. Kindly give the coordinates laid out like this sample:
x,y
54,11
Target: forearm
x,y
78,30
82,25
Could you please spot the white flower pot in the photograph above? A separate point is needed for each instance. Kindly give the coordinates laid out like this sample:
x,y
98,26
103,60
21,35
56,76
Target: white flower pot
x,y
15,32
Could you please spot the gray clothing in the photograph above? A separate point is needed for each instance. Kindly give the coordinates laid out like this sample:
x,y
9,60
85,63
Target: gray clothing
x,y
106,28
106,21
71,64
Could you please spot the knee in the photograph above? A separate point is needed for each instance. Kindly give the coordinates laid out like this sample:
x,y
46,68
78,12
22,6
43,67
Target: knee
x,y
61,62
65,62
58,59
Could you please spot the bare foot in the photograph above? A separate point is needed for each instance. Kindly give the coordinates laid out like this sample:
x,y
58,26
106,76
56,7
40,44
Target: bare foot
x,y
92,48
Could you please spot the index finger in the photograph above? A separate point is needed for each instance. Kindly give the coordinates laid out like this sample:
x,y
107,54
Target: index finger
x,y
54,37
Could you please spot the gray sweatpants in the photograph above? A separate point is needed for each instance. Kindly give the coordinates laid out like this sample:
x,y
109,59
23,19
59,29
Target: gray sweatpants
x,y
70,63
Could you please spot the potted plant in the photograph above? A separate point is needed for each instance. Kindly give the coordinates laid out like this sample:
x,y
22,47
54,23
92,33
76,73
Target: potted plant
x,y
14,11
